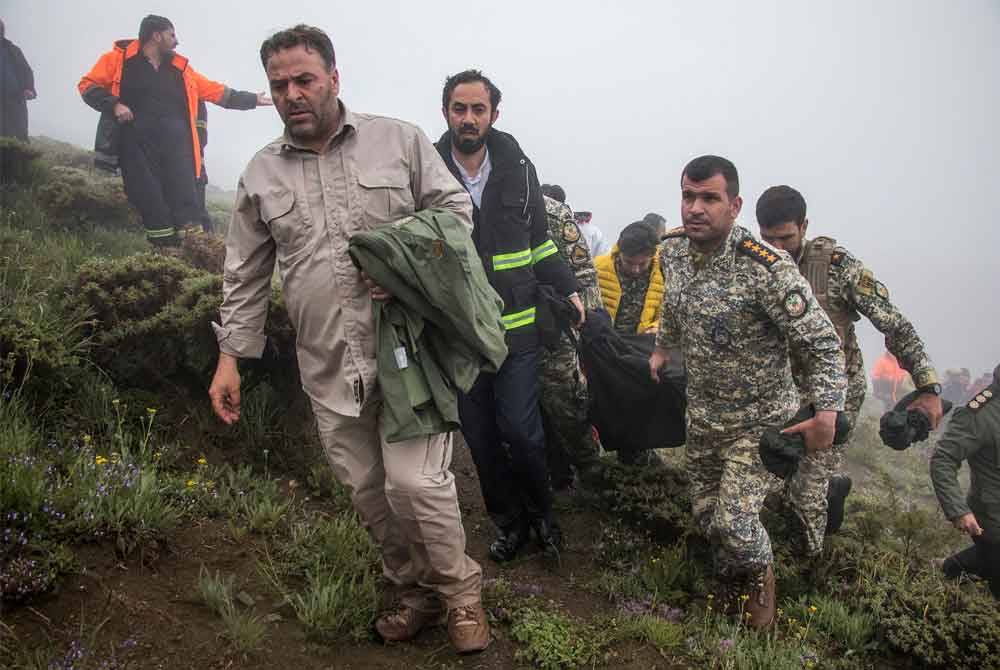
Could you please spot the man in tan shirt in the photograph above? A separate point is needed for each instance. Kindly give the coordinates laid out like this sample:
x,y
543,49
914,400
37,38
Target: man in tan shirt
x,y
334,173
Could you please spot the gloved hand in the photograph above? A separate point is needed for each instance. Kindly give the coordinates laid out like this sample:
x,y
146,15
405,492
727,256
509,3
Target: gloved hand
x,y
899,428
781,453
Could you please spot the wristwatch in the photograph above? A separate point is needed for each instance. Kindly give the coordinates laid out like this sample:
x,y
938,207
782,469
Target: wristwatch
x,y
934,389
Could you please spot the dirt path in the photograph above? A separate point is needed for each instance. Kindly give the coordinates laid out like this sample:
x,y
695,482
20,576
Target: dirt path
x,y
143,612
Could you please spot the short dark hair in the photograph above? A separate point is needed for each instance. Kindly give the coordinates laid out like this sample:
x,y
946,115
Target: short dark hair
x,y
554,191
153,24
468,77
780,204
311,37
637,238
706,167
654,219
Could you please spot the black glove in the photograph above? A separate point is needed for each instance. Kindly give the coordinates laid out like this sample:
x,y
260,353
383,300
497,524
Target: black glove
x,y
781,453
900,427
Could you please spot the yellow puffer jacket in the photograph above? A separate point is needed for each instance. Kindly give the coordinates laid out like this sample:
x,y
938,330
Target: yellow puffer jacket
x,y
611,290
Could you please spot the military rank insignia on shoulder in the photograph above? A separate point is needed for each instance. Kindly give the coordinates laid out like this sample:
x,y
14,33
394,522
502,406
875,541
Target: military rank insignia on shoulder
x,y
981,399
838,256
758,251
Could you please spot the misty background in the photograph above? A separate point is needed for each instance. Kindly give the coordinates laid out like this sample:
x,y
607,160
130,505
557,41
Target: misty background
x,y
882,114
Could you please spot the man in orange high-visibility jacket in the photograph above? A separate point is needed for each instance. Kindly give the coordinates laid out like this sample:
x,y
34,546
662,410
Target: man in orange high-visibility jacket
x,y
889,380
148,98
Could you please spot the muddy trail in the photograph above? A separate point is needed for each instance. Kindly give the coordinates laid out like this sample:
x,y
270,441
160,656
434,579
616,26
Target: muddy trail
x,y
144,612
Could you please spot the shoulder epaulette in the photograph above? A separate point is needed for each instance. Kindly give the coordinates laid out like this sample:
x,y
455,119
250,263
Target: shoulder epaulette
x,y
981,399
674,232
758,251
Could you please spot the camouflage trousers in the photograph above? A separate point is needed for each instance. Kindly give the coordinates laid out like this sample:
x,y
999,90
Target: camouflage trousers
x,y
805,491
728,484
564,409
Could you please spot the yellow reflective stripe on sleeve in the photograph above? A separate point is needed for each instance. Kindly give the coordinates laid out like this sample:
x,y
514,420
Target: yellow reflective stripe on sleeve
x,y
543,251
517,259
519,319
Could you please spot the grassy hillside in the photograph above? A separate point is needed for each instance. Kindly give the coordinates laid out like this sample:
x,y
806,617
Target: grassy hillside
x,y
138,532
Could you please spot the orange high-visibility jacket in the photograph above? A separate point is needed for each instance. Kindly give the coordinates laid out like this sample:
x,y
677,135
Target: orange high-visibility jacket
x,y
101,87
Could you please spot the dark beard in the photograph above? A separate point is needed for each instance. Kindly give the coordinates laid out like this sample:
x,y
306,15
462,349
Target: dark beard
x,y
466,145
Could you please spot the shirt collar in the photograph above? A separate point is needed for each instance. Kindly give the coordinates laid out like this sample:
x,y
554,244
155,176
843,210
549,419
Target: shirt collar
x,y
348,120
484,169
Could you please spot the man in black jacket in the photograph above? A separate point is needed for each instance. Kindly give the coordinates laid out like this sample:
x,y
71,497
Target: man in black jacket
x,y
511,235
17,86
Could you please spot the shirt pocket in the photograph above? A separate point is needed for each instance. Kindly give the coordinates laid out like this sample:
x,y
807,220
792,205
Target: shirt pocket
x,y
385,195
516,208
289,230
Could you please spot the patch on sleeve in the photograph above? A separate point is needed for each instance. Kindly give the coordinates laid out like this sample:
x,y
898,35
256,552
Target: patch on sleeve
x,y
570,232
881,291
675,232
757,251
579,254
866,284
981,399
838,257
795,303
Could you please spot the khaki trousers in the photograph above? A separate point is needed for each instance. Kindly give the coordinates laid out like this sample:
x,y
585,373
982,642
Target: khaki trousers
x,y
406,498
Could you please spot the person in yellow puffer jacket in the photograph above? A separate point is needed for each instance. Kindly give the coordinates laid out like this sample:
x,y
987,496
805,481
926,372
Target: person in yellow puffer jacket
x,y
631,282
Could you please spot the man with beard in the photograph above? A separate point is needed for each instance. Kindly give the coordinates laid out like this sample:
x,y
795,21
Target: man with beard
x,y
845,289
630,280
500,415
17,86
148,98
332,174
735,307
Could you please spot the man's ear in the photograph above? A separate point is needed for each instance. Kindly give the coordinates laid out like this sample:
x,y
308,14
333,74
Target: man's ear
x,y
735,205
805,226
335,82
494,115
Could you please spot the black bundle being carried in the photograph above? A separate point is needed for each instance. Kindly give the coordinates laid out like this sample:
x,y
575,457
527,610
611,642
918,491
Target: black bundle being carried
x,y
630,411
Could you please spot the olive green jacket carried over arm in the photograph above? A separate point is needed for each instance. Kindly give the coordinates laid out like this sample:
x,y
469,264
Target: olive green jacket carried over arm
x,y
440,328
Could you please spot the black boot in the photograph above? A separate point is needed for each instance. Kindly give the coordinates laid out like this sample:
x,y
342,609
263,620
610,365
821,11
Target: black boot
x,y
836,498
509,541
550,539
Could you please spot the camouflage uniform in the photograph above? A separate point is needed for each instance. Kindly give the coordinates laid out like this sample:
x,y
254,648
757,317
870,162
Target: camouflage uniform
x,y
846,289
632,301
563,389
734,315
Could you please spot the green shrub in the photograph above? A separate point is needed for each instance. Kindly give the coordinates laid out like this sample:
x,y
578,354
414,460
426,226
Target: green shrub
x,y
553,641
19,163
74,196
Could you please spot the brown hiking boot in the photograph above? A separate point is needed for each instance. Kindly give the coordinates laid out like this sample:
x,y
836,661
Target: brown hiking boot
x,y
468,628
405,622
761,604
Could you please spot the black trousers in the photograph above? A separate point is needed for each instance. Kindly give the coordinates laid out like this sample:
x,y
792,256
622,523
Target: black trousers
x,y
981,559
200,187
157,162
502,425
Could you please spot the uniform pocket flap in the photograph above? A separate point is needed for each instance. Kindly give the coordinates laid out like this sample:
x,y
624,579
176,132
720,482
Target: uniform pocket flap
x,y
384,179
276,204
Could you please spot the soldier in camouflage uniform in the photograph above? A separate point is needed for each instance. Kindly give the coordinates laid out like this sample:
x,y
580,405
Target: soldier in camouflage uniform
x,y
735,307
563,389
973,435
845,289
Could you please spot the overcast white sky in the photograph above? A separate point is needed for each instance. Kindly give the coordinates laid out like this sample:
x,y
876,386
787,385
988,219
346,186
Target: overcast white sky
x,y
882,114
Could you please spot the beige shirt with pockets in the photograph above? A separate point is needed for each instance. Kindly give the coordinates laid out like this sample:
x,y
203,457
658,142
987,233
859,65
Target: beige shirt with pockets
x,y
299,208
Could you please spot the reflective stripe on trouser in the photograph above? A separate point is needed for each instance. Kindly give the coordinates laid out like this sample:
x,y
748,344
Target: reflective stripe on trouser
x,y
806,491
405,495
728,484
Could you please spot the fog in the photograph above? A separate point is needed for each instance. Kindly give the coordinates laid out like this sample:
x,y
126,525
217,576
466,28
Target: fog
x,y
882,114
